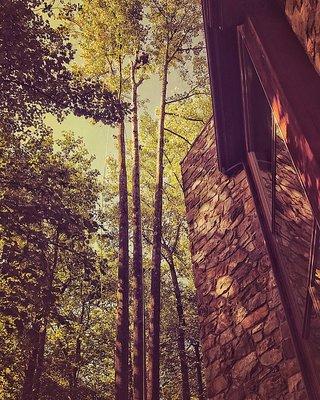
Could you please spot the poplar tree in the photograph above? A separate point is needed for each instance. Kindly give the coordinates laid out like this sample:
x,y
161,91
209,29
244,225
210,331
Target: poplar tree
x,y
175,27
139,355
112,38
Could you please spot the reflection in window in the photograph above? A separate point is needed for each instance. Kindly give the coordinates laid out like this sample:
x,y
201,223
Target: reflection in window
x,y
293,226
311,326
312,309
260,134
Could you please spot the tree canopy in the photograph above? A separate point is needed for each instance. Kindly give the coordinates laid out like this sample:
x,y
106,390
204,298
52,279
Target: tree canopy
x,y
35,73
72,293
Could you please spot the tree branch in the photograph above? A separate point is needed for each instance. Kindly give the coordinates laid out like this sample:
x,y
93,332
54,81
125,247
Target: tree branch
x,y
186,49
175,175
185,97
186,118
178,135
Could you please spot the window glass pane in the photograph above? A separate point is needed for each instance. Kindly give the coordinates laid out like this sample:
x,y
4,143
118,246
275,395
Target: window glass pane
x,y
314,330
293,227
260,140
261,125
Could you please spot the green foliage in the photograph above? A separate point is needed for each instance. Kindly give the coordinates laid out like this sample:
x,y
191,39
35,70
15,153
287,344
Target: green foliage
x,y
110,35
46,192
58,221
35,77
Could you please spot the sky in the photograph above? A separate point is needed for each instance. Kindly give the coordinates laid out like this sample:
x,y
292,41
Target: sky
x,y
98,138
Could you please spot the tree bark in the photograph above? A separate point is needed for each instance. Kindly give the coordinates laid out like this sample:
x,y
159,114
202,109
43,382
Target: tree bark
x,y
138,281
153,386
40,362
27,388
186,395
73,383
200,384
32,381
122,335
75,370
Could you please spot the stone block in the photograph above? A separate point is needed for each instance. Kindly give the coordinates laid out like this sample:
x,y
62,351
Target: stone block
x,y
271,324
289,368
244,367
265,345
295,383
272,387
219,384
255,317
236,393
256,301
288,349
243,347
271,357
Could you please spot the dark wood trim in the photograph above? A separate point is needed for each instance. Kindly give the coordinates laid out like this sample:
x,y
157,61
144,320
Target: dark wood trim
x,y
220,25
221,18
253,163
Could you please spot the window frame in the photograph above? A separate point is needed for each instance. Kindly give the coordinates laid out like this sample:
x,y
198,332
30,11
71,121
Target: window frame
x,y
259,35
251,159
312,300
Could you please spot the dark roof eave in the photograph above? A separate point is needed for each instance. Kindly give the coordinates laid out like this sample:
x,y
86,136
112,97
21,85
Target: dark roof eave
x,y
225,81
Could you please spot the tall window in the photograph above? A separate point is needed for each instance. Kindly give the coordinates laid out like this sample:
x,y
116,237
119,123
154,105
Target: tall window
x,y
283,205
260,134
312,307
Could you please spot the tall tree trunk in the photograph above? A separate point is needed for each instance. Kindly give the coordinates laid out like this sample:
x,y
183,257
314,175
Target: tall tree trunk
x,y
130,374
40,361
200,384
153,387
27,388
73,383
32,381
122,336
48,302
75,370
138,284
186,395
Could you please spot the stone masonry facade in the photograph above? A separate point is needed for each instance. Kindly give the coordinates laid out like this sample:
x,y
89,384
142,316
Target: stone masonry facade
x,y
246,344
304,17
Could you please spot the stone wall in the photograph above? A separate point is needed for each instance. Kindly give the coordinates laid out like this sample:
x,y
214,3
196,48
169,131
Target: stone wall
x,y
247,349
304,16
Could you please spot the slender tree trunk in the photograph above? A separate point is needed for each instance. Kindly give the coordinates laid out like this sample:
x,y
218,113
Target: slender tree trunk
x,y
138,284
130,374
75,370
77,358
32,382
122,336
186,395
27,388
40,362
48,302
153,387
200,384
